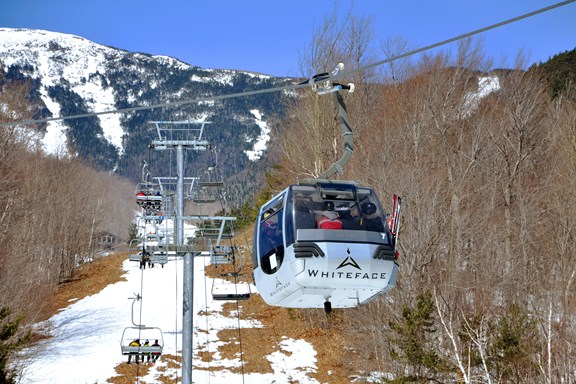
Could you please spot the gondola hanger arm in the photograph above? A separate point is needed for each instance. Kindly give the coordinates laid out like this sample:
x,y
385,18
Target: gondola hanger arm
x,y
323,84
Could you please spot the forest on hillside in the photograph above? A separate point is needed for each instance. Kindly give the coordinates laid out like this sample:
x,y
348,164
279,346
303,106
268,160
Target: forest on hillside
x,y
52,211
485,162
483,158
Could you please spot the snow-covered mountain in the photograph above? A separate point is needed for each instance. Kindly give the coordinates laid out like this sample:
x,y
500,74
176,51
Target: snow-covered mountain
x,y
70,75
52,58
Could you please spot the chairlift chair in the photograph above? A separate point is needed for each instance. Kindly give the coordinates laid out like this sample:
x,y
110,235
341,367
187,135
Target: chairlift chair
x,y
154,237
217,230
137,334
153,217
148,196
142,333
221,254
159,257
223,290
203,196
211,177
208,184
135,250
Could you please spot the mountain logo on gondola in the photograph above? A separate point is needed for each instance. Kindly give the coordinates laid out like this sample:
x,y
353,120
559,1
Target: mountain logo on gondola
x,y
280,287
349,261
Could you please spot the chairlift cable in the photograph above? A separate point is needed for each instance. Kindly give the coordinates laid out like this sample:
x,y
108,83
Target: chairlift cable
x,y
140,323
206,312
141,300
239,333
235,275
176,301
293,86
453,39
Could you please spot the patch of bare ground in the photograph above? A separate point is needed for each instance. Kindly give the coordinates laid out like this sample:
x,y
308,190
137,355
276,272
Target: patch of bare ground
x,y
325,333
129,373
281,323
253,345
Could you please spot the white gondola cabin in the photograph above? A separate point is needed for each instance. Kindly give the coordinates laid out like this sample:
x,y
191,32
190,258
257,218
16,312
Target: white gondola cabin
x,y
324,244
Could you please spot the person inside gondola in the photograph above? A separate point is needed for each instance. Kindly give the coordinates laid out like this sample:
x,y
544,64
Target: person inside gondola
x,y
351,218
135,343
271,246
328,218
371,220
272,235
304,216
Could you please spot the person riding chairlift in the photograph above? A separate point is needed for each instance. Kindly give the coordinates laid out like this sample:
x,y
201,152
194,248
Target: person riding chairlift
x,y
328,218
155,355
134,343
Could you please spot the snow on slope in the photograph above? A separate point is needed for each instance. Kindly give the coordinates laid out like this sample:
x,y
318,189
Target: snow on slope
x,y
261,142
54,52
87,334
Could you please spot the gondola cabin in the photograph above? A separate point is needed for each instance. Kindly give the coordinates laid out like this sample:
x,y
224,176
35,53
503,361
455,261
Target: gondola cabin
x,y
323,244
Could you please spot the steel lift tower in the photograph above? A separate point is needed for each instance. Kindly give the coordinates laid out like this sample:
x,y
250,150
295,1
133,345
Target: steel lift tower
x,y
180,136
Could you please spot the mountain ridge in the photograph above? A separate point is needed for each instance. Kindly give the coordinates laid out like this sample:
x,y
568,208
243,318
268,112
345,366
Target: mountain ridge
x,y
70,75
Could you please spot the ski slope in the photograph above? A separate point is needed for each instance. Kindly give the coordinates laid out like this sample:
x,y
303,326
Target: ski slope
x,y
85,347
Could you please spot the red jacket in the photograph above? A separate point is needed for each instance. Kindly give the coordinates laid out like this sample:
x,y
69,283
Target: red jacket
x,y
326,223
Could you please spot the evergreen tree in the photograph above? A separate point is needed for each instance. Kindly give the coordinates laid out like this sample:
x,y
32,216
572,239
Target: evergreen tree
x,y
132,233
559,71
245,214
413,344
9,343
514,347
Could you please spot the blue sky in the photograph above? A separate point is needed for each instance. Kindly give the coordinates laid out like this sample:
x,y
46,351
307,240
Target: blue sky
x,y
266,35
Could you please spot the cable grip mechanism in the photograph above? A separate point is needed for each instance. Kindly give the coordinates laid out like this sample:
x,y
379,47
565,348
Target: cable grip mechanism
x,y
322,83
